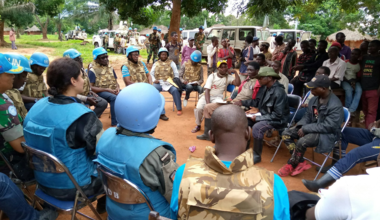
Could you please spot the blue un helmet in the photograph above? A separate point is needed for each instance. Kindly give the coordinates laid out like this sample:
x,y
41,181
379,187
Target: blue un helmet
x,y
138,107
180,29
98,51
71,53
162,49
159,30
39,59
147,35
132,49
155,28
201,27
130,28
196,56
11,63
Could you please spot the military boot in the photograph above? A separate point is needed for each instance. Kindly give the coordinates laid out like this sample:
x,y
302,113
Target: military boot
x,y
207,128
257,150
323,182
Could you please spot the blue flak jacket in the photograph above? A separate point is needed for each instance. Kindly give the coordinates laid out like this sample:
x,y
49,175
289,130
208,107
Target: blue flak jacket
x,y
123,155
45,129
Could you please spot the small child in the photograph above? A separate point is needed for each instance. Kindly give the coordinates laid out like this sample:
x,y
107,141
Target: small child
x,y
350,84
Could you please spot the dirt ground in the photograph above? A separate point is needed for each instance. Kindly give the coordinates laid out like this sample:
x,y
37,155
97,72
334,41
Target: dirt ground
x,y
177,131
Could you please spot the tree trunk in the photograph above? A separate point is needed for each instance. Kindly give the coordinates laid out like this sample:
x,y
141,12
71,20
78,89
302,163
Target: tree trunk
x,y
110,25
2,41
18,33
43,27
59,30
176,18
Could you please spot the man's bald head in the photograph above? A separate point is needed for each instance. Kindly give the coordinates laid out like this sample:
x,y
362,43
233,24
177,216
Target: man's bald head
x,y
228,119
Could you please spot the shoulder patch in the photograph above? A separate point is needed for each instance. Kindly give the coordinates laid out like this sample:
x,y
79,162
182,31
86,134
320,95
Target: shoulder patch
x,y
12,110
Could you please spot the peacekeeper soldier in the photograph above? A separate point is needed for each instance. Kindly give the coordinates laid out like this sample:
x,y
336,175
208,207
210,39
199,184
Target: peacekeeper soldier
x,y
135,71
116,42
105,41
155,43
147,44
131,152
200,38
225,183
103,79
166,36
35,87
14,94
130,34
88,97
11,131
191,75
180,37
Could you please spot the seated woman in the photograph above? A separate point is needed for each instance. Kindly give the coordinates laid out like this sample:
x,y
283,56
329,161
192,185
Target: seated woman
x,y
62,126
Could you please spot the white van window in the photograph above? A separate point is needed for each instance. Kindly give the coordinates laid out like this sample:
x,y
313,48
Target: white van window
x,y
214,33
228,33
243,33
192,33
288,36
184,35
112,34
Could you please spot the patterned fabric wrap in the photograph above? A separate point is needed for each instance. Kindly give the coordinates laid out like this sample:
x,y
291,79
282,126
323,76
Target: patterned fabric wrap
x,y
192,73
104,76
210,190
163,70
136,71
86,85
15,95
35,86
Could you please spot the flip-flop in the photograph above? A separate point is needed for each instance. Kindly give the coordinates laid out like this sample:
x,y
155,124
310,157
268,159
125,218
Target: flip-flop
x,y
196,129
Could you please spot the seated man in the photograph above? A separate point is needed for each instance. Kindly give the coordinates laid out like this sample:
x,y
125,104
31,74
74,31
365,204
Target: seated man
x,y
225,184
272,104
35,88
14,94
135,71
320,71
191,75
352,197
103,79
337,67
319,127
88,96
276,65
163,73
131,152
216,85
260,59
367,139
247,90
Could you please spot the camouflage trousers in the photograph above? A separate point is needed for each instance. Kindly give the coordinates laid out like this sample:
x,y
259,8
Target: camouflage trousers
x,y
105,46
298,149
147,48
154,50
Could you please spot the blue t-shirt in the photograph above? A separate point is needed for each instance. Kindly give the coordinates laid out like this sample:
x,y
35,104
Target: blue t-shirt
x,y
92,77
281,199
125,71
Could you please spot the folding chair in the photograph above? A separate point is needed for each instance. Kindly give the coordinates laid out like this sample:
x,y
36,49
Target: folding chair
x,y
290,88
47,163
294,101
21,184
121,190
346,119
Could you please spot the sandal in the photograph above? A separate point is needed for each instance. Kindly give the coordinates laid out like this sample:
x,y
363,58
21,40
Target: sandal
x,y
196,129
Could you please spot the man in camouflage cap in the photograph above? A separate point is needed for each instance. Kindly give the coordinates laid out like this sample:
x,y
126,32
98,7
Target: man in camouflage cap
x,y
225,184
200,38
155,44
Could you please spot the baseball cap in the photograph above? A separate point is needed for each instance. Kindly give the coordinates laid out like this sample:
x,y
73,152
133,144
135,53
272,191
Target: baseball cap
x,y
319,81
220,63
336,44
267,71
255,38
6,66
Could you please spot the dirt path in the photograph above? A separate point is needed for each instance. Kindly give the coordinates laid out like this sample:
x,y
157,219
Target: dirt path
x,y
177,131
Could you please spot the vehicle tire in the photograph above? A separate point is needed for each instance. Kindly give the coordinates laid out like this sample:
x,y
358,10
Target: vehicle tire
x,y
96,45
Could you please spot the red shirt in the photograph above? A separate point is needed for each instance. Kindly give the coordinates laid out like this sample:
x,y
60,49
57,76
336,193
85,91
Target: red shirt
x,y
223,53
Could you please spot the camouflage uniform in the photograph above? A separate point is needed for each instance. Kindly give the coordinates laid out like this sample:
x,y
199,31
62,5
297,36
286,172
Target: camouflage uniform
x,y
163,70
155,41
192,72
86,85
116,43
210,190
136,71
105,45
147,45
166,38
15,95
35,86
199,40
130,35
104,76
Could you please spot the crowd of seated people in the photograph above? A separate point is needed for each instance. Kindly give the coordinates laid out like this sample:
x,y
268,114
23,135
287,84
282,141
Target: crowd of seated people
x,y
225,183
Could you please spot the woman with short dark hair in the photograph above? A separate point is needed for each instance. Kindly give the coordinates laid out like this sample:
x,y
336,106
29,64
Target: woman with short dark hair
x,y
62,126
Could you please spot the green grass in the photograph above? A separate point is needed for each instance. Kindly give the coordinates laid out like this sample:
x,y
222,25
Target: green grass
x,y
60,47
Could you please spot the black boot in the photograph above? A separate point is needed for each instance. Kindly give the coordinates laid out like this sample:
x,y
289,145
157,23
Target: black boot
x,y
257,150
207,128
326,168
323,182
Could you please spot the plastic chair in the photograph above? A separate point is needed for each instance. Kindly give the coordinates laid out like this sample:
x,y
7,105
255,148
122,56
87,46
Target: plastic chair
x,y
121,190
294,101
230,88
47,163
290,88
346,119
